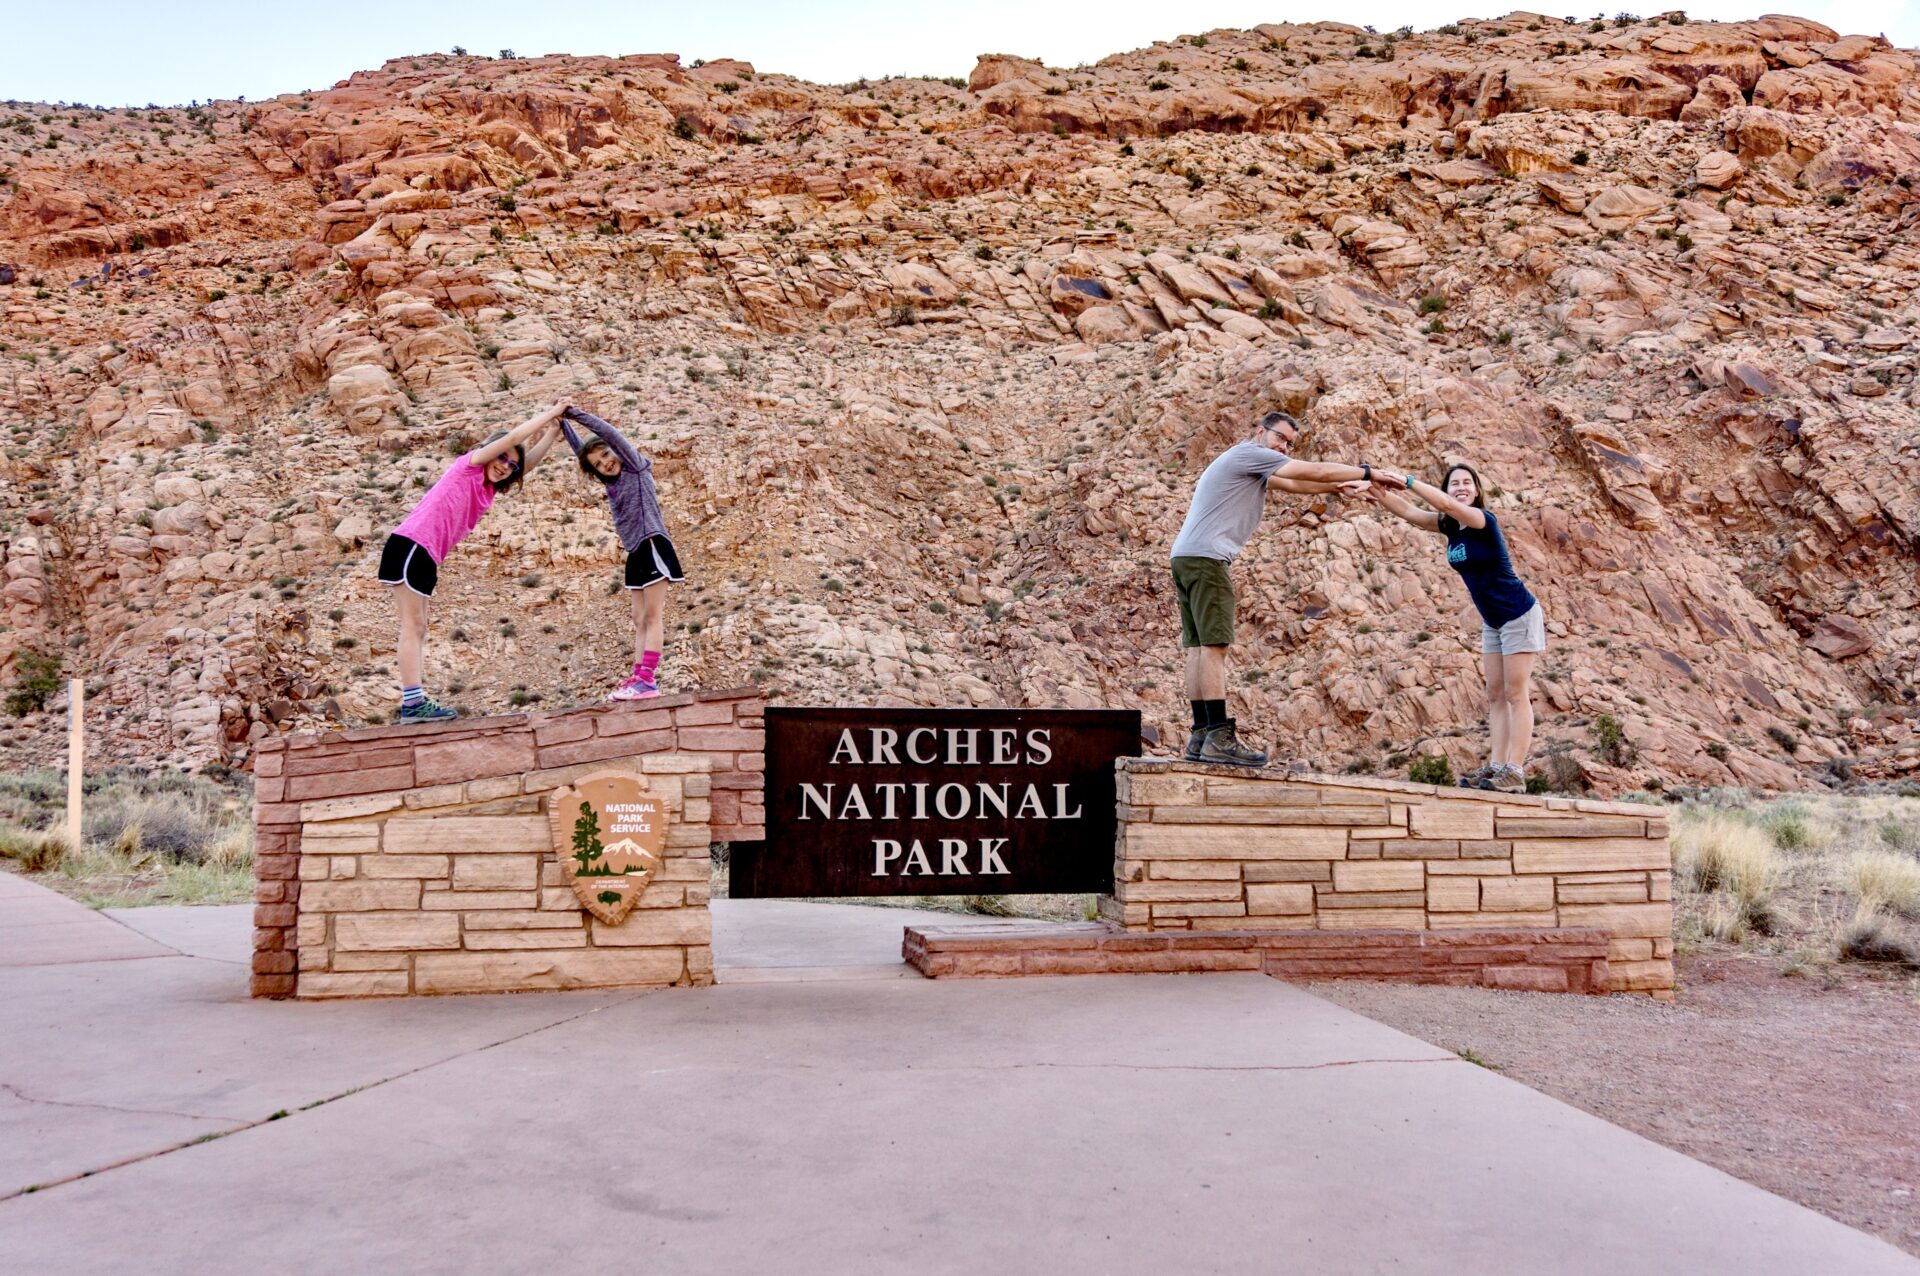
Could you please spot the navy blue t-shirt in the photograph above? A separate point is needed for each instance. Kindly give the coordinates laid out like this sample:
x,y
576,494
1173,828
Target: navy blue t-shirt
x,y
1480,556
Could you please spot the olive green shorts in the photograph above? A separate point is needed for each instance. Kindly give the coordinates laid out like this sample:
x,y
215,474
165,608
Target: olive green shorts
x,y
1206,602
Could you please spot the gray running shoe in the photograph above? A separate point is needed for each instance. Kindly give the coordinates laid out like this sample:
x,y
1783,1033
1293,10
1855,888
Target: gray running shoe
x,y
1222,746
1472,779
1509,779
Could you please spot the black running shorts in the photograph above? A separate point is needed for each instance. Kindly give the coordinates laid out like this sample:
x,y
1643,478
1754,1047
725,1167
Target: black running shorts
x,y
403,562
652,560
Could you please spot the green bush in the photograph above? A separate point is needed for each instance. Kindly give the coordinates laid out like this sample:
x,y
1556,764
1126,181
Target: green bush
x,y
1430,768
36,677
1614,745
1791,825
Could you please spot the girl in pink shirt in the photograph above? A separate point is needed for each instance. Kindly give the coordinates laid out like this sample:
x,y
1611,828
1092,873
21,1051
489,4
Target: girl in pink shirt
x,y
442,519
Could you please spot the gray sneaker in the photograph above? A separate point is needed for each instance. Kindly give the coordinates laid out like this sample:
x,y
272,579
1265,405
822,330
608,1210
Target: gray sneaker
x,y
1222,746
1509,779
1473,778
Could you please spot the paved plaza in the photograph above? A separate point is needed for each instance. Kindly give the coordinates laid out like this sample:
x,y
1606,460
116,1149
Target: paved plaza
x,y
820,1110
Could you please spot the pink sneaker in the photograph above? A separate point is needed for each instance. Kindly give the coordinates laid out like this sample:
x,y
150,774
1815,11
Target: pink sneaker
x,y
634,688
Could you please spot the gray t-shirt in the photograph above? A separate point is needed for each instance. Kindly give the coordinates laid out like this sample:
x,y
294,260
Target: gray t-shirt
x,y
1227,503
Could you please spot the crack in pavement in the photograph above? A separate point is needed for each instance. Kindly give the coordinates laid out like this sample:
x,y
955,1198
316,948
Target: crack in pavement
x,y
1088,1067
24,1097
284,1114
178,952
1187,1067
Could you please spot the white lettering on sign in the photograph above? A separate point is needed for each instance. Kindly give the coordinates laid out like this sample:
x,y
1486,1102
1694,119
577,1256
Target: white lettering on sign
x,y
915,862
977,801
945,801
953,746
630,817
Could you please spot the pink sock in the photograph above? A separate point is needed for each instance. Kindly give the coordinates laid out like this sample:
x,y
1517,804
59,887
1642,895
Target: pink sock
x,y
649,662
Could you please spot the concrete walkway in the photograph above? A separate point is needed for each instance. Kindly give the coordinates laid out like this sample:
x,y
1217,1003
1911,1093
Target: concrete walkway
x,y
41,928
778,941
1105,1124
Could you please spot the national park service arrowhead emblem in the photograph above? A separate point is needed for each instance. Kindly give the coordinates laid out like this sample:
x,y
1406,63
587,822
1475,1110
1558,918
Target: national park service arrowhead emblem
x,y
608,832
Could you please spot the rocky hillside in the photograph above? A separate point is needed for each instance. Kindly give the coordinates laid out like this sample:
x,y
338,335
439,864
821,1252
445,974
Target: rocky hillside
x,y
929,368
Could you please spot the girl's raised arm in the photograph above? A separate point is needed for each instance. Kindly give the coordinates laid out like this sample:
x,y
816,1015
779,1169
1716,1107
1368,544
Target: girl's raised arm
x,y
519,434
1462,513
543,445
1405,509
608,435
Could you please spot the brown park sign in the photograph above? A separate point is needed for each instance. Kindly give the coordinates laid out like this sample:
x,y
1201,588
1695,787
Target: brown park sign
x,y
937,802
608,832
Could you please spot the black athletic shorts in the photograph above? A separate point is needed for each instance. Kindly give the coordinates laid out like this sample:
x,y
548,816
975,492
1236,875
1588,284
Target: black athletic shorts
x,y
403,562
653,559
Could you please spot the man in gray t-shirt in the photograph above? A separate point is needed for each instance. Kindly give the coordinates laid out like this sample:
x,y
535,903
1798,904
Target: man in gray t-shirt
x,y
1227,504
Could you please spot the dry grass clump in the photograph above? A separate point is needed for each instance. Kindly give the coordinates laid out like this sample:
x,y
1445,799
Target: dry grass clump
x,y
1886,881
34,851
165,838
1870,938
1732,861
1822,878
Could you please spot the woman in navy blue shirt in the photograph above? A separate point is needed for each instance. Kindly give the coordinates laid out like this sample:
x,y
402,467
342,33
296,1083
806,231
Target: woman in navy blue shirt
x,y
1512,629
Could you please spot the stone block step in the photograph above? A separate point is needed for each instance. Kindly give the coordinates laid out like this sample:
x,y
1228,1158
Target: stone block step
x,y
1539,959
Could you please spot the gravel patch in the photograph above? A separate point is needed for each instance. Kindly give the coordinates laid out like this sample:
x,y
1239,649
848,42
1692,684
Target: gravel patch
x,y
1802,1085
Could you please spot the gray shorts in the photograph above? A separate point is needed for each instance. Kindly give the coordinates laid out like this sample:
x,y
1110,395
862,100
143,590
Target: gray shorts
x,y
1519,635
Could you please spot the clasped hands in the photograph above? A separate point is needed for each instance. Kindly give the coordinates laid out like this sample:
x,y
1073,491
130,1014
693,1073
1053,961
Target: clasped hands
x,y
1381,478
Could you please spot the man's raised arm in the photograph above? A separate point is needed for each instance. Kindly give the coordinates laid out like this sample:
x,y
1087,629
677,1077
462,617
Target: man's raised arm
x,y
1322,472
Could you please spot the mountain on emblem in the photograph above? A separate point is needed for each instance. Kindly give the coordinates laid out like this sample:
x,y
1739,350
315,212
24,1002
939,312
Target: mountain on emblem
x,y
608,834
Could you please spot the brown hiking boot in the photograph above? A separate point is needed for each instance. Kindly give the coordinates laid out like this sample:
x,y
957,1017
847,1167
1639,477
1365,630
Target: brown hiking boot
x,y
1195,738
1222,747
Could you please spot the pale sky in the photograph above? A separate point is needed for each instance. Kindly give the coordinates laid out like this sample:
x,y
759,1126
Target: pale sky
x,y
121,53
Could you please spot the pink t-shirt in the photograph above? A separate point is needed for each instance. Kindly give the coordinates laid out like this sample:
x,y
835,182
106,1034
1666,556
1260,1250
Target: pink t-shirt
x,y
449,510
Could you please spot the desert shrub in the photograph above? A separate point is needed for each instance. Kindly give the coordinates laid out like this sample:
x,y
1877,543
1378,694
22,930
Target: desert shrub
x,y
1558,772
1614,745
1898,833
1793,826
990,905
161,824
1430,768
36,677
1886,880
1869,938
26,798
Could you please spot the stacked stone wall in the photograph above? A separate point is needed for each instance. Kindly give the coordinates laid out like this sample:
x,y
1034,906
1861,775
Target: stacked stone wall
x,y
1202,849
417,859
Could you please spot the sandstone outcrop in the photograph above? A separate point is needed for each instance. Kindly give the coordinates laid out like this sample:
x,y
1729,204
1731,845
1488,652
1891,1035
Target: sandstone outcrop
x,y
927,369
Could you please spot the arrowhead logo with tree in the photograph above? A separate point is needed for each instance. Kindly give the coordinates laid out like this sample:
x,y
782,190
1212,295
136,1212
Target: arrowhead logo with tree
x,y
608,835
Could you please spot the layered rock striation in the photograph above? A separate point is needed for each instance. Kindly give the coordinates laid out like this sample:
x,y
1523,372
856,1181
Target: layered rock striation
x,y
928,368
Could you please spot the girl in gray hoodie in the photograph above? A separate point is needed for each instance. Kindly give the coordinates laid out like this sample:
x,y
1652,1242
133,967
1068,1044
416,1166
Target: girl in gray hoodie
x,y
628,479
